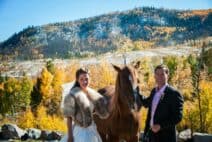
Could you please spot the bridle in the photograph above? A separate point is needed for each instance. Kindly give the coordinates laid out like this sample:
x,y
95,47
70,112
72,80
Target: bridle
x,y
134,106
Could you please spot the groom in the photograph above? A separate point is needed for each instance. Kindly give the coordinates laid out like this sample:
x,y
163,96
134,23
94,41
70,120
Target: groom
x,y
165,109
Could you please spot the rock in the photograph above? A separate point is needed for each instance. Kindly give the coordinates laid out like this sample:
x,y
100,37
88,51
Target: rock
x,y
54,136
25,137
47,135
34,133
44,135
11,131
184,135
202,137
1,136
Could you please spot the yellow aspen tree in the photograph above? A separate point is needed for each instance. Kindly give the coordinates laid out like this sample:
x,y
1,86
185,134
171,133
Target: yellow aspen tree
x,y
206,102
42,119
11,95
27,120
70,71
54,106
45,86
102,75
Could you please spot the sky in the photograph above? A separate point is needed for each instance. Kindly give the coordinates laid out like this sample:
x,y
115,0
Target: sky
x,y
15,15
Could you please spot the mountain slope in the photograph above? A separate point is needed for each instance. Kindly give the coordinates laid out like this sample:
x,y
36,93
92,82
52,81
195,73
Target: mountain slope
x,y
109,32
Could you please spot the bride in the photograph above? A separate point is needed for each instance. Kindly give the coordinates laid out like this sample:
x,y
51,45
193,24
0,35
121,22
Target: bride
x,y
78,107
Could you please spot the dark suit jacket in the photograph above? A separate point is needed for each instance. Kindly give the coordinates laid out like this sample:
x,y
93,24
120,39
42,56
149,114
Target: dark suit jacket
x,y
168,113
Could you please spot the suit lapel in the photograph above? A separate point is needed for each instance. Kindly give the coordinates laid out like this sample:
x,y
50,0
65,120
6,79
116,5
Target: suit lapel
x,y
153,94
164,94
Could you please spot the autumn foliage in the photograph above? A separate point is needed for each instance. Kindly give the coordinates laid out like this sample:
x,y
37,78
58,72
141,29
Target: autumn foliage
x,y
19,97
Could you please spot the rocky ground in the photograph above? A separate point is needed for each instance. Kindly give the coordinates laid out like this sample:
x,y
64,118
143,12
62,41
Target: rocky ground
x,y
11,132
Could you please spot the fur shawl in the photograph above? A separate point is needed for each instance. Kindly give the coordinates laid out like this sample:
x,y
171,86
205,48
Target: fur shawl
x,y
76,104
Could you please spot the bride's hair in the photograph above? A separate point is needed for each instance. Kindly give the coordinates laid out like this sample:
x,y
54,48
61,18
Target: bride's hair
x,y
78,73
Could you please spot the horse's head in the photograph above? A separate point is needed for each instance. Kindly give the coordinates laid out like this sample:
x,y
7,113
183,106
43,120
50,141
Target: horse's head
x,y
126,85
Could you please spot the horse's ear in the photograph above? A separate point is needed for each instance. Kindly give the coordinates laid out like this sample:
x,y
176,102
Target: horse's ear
x,y
117,68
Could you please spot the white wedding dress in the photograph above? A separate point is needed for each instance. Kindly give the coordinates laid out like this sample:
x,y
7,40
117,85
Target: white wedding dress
x,y
82,134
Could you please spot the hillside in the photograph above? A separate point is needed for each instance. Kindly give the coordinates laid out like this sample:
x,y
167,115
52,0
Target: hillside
x,y
134,29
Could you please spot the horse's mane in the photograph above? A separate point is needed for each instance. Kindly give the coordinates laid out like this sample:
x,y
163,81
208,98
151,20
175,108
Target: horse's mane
x,y
123,87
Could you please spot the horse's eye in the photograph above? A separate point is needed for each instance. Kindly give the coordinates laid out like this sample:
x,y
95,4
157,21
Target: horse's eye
x,y
138,80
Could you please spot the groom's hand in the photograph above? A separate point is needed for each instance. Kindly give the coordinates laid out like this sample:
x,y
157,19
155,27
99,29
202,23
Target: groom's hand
x,y
155,128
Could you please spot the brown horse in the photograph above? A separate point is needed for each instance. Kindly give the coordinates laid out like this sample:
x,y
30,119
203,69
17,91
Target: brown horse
x,y
123,122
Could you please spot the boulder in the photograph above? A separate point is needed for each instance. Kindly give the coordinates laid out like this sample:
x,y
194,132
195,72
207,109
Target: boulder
x,y
50,135
11,131
44,135
185,135
34,133
54,136
1,137
24,137
202,137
